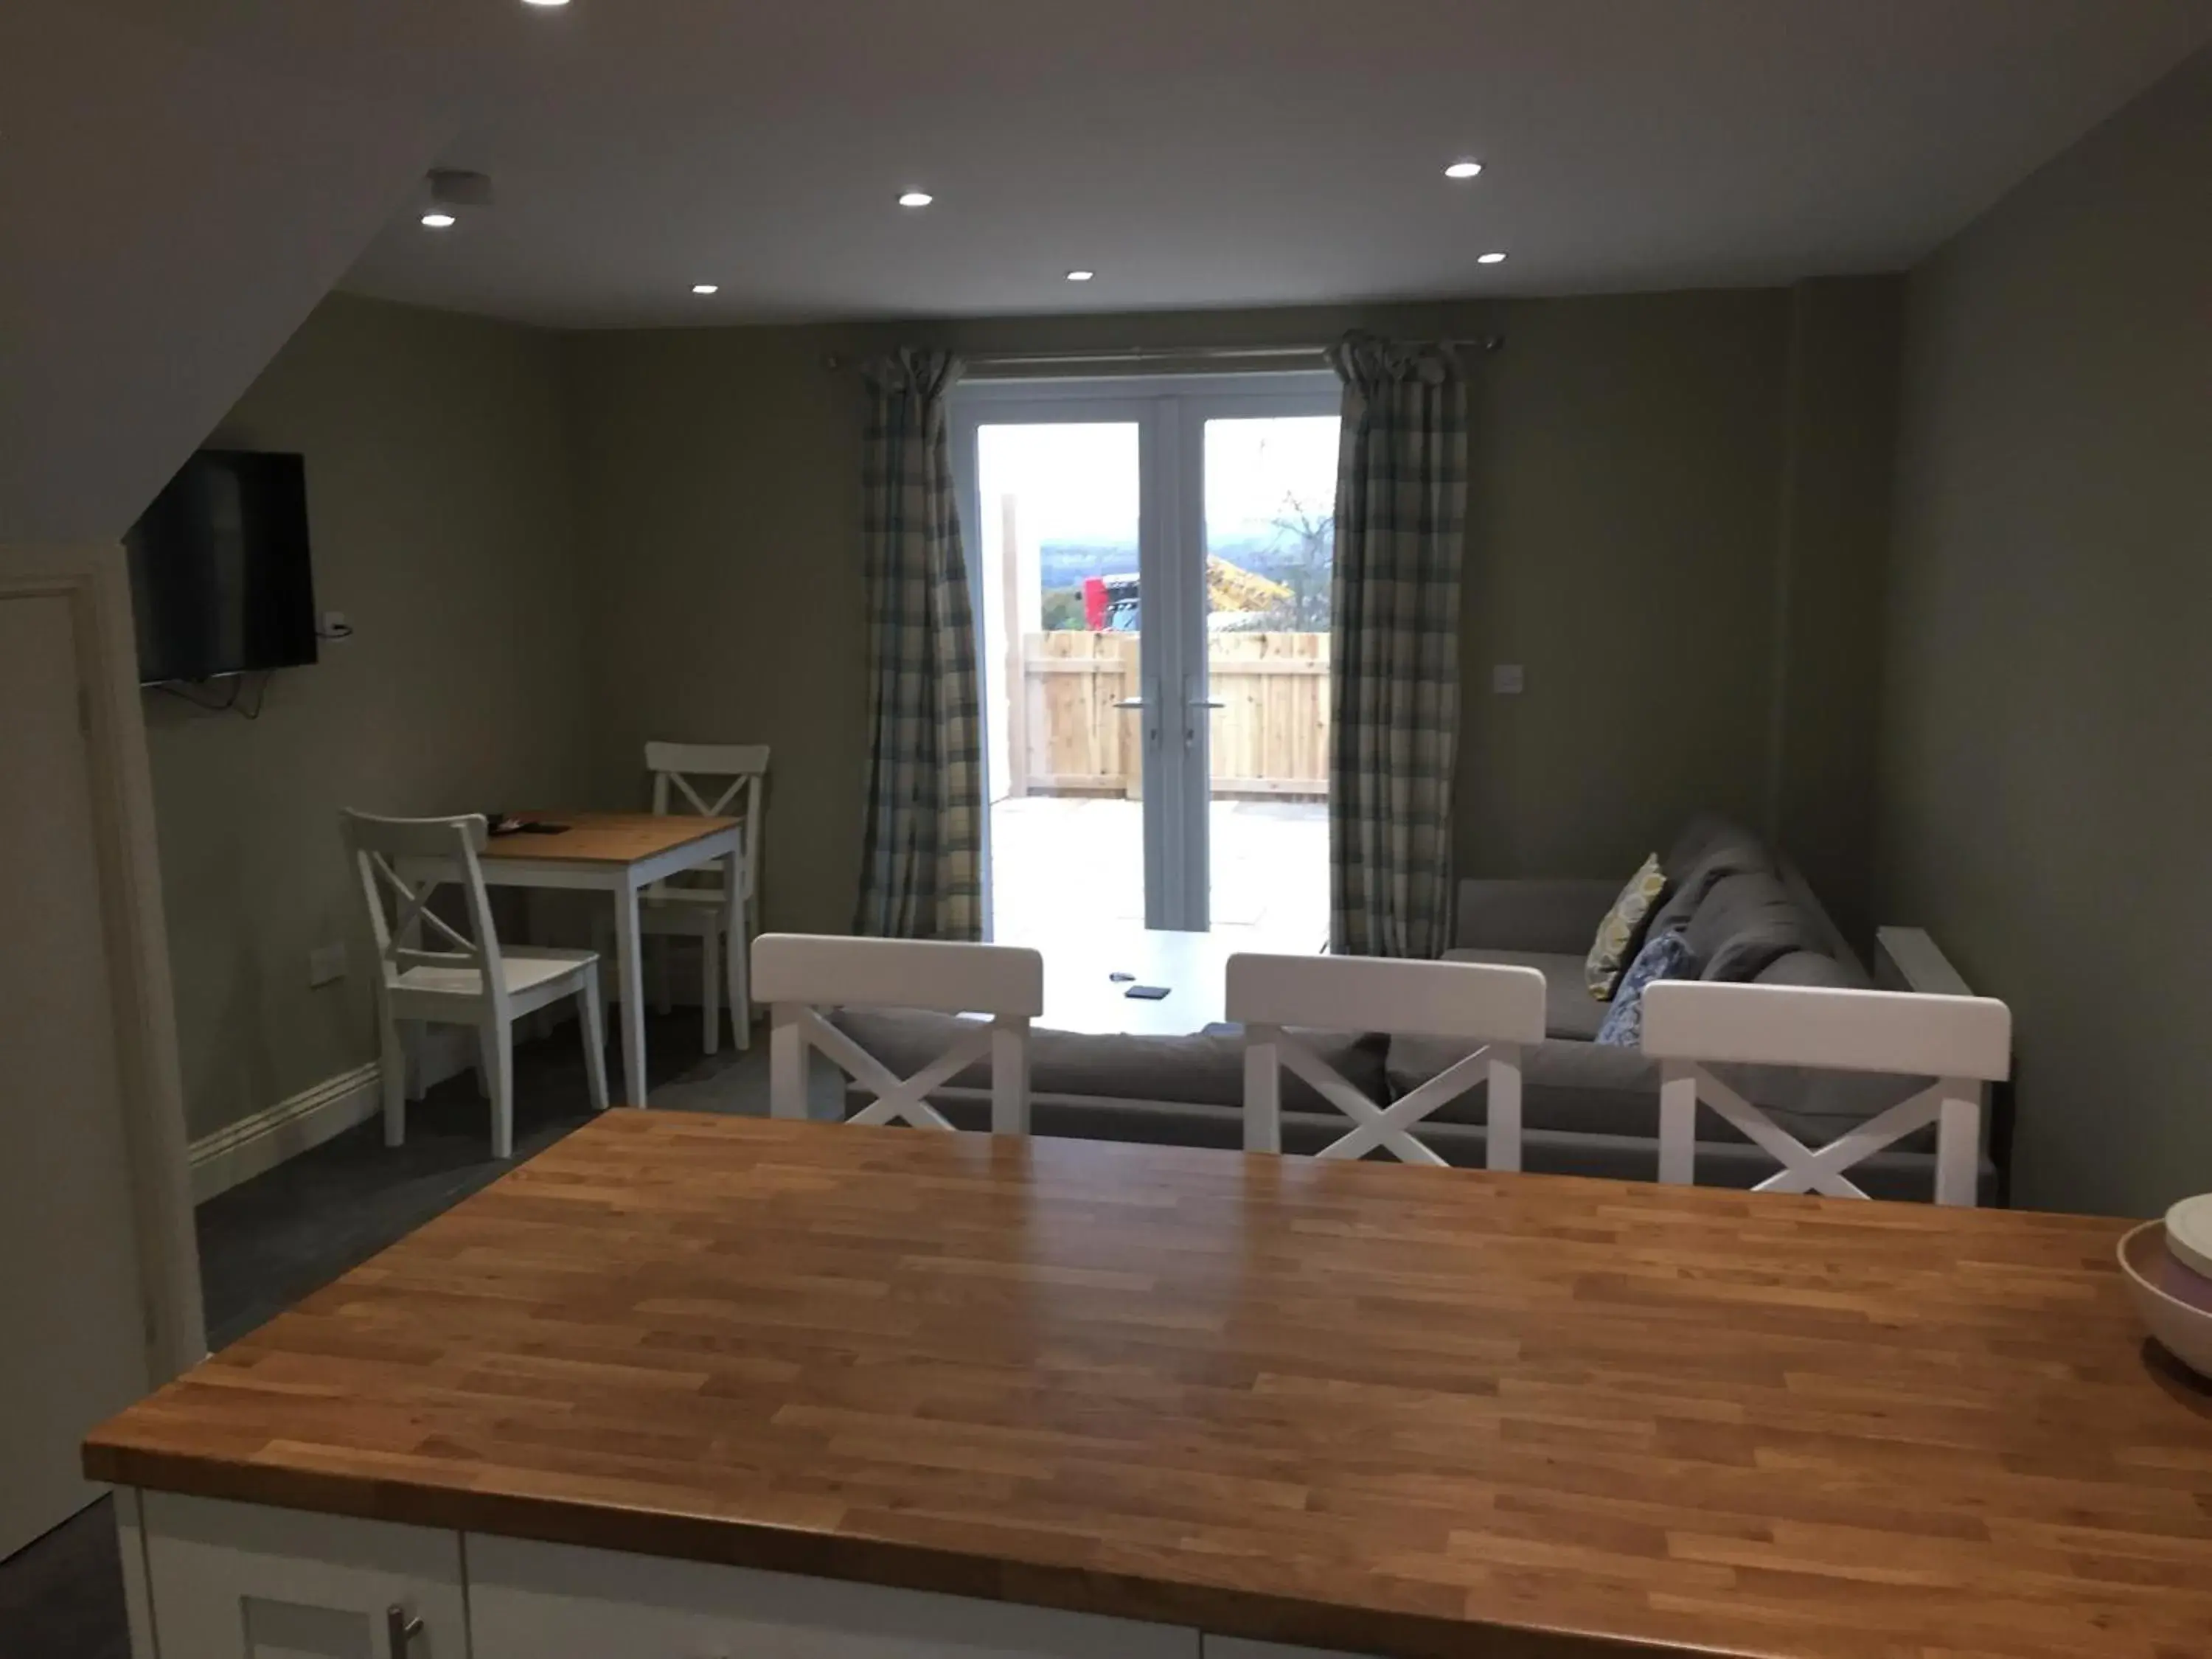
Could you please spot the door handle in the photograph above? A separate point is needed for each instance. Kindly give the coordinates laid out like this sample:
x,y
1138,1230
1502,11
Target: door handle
x,y
1190,728
1151,726
400,1630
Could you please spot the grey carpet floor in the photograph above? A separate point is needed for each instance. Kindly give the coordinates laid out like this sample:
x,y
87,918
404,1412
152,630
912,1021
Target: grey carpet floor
x,y
271,1241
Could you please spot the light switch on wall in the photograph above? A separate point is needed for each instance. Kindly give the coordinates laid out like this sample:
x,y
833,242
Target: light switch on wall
x,y
1505,678
325,963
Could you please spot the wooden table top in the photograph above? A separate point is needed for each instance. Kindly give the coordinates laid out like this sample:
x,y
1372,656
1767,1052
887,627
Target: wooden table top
x,y
1350,1405
604,837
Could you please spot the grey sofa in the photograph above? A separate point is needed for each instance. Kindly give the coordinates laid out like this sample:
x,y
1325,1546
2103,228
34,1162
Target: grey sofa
x,y
1586,1110
1750,916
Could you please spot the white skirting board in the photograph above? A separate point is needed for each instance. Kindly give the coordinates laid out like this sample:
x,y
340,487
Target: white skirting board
x,y
240,1151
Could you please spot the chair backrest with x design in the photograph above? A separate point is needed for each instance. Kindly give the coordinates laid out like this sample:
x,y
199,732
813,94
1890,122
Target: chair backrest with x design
x,y
798,975
1499,1008
714,779
402,863
1963,1043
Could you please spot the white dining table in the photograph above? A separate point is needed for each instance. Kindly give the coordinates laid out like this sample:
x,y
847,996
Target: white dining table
x,y
620,854
1082,993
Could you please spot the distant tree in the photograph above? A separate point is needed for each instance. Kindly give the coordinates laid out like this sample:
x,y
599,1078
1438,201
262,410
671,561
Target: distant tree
x,y
1303,557
1062,609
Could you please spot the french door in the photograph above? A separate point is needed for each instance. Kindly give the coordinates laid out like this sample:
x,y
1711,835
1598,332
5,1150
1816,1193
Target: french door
x,y
1151,559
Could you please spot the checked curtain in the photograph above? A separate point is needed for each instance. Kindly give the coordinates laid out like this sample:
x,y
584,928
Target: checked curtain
x,y
1400,513
922,862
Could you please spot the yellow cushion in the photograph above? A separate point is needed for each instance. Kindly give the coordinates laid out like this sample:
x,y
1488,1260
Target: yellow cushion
x,y
1617,934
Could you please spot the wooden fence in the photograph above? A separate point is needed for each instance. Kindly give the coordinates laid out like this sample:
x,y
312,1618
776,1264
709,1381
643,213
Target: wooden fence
x,y
1270,736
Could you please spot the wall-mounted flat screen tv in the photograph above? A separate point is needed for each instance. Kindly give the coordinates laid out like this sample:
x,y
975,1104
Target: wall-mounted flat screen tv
x,y
220,578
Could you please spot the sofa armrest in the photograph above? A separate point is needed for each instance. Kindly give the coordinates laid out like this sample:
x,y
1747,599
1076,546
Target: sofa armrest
x,y
1556,915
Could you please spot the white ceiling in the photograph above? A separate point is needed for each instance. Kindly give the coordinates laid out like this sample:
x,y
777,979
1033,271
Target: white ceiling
x,y
1195,152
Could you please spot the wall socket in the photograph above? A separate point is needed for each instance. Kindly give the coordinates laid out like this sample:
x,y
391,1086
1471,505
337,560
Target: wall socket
x,y
1507,679
325,964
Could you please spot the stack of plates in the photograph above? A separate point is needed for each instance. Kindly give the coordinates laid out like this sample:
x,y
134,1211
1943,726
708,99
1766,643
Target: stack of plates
x,y
2169,1270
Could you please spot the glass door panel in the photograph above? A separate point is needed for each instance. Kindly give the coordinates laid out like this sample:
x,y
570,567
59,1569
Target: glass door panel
x,y
1151,569
1062,606
1269,534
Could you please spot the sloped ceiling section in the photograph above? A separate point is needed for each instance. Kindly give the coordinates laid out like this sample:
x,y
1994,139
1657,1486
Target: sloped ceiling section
x,y
167,219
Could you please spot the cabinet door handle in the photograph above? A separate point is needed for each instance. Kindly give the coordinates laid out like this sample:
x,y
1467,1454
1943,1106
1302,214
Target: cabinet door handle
x,y
400,1630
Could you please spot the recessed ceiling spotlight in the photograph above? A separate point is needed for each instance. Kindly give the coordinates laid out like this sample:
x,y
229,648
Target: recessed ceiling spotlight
x,y
450,190
916,198
702,288
1463,169
545,2
1489,259
1080,275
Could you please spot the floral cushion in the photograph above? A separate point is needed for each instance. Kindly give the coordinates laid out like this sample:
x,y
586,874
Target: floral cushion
x,y
1665,956
1618,934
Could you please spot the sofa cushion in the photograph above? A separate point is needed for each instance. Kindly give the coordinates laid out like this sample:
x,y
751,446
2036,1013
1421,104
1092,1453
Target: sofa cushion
x,y
1568,1010
1702,862
1620,935
1575,1086
1828,938
1206,1068
1813,968
1746,923
1664,956
1704,835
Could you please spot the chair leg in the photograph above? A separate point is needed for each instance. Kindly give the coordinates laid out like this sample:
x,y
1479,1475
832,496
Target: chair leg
x,y
1263,1090
497,1040
741,976
710,964
786,1063
1678,1124
595,1041
392,1066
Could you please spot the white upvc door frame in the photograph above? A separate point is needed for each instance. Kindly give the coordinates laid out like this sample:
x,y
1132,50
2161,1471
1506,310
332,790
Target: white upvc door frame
x,y
1170,413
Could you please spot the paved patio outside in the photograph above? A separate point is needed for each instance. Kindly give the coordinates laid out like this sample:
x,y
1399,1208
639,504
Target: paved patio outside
x,y
1062,861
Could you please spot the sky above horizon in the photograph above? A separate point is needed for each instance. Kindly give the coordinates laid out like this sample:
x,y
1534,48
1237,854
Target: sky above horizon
x,y
1078,483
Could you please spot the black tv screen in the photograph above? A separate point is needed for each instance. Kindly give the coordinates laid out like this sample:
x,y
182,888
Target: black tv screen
x,y
220,579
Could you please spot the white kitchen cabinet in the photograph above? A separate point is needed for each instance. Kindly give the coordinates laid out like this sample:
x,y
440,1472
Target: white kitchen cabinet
x,y
239,1581
550,1602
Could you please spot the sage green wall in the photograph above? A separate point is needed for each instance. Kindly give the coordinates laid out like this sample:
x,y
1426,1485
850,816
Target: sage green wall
x,y
1625,542
2046,779
439,485
1838,494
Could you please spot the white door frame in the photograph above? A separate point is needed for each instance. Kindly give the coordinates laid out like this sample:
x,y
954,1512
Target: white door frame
x,y
1171,412
95,582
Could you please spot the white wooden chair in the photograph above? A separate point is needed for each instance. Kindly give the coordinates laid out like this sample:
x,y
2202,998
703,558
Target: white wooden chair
x,y
1964,1042
694,909
798,975
1500,1008
467,981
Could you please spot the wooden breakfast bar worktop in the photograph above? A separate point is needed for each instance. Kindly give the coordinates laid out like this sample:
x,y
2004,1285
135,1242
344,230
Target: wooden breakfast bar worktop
x,y
1359,1406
